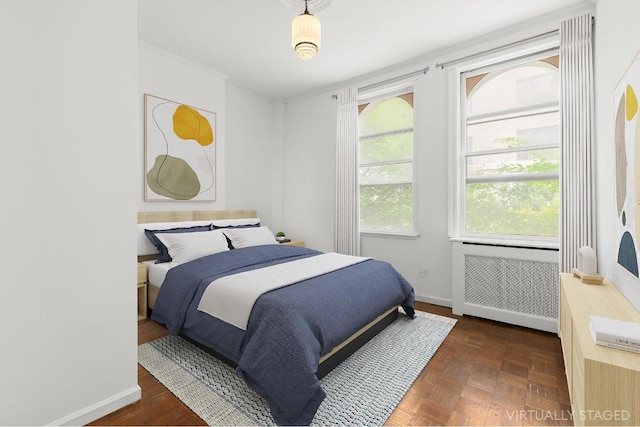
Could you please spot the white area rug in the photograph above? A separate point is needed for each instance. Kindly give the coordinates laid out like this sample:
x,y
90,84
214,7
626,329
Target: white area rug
x,y
362,390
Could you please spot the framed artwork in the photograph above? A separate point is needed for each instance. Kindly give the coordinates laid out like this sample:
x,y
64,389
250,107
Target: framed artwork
x,y
180,151
627,203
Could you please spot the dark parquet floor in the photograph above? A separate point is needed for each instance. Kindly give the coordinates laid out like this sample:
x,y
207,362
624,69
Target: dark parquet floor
x,y
484,373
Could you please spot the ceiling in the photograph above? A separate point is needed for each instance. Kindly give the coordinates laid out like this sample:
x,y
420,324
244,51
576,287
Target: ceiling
x,y
250,40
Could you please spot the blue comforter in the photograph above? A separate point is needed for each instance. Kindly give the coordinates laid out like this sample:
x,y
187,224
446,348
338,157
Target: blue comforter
x,y
290,328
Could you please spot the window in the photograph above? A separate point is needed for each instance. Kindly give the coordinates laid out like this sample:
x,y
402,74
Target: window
x,y
386,164
510,153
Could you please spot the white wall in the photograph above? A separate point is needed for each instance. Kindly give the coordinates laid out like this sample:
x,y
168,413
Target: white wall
x,y
69,159
254,155
172,77
309,171
617,42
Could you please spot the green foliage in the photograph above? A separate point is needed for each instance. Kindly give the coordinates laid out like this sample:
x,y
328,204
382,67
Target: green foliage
x,y
387,147
517,208
386,208
386,171
387,114
386,174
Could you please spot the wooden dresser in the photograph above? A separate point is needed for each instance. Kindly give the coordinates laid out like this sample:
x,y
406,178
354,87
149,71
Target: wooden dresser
x,y
604,383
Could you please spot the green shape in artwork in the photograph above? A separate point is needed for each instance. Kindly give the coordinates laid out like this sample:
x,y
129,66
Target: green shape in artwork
x,y
173,177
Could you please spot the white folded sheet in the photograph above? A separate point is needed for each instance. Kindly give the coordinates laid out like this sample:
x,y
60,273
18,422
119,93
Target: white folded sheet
x,y
231,298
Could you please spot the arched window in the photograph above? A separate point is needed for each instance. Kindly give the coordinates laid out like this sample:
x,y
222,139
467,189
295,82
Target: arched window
x,y
510,151
386,164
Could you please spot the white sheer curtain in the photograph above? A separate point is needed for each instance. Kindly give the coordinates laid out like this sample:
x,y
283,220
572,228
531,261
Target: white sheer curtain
x,y
577,179
347,191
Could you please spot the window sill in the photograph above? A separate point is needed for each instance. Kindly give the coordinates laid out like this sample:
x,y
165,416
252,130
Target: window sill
x,y
527,244
390,235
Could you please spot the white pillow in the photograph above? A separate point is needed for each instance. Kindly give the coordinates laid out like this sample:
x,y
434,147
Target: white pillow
x,y
185,247
250,236
145,247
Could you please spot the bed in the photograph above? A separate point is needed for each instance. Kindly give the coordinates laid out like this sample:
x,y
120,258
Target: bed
x,y
284,338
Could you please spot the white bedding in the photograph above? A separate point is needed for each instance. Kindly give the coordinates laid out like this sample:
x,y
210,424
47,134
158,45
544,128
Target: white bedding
x,y
231,298
157,272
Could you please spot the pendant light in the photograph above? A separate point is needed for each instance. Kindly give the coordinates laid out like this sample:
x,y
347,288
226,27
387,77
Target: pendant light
x,y
305,34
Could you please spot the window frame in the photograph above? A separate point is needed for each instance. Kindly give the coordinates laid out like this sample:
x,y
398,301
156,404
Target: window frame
x,y
459,156
385,92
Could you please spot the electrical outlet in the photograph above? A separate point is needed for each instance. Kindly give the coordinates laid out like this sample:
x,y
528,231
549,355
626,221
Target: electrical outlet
x,y
423,273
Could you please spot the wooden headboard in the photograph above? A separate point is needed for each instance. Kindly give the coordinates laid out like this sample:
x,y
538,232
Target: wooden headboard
x,y
145,217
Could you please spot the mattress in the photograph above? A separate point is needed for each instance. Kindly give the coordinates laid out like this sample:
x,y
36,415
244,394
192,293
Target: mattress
x,y
157,272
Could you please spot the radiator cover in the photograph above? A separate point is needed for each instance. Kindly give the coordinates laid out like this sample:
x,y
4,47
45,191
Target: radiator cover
x,y
512,284
521,286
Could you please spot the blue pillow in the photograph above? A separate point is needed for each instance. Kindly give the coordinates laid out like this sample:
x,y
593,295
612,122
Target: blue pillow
x,y
162,249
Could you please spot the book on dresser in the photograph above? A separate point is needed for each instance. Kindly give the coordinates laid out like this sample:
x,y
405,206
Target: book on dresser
x,y
615,333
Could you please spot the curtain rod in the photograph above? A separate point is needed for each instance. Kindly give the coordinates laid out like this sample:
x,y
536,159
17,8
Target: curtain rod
x,y
442,65
391,80
529,55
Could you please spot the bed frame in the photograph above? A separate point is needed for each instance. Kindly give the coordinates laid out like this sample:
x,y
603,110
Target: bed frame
x,y
327,362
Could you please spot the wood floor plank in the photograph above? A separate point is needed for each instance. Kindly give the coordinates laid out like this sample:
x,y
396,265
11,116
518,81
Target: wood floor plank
x,y
400,417
484,373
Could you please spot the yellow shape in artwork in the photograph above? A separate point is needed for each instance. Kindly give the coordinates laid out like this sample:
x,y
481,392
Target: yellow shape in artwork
x,y
189,124
631,103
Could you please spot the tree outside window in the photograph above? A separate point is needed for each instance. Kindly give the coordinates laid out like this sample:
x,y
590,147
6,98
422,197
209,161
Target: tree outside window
x,y
511,151
386,164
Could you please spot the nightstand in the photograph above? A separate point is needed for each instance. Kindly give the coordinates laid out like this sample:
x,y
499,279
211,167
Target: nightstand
x,y
294,243
142,292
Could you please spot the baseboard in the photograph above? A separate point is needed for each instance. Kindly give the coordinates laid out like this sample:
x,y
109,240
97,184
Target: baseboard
x,y
100,409
434,300
513,318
